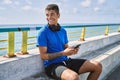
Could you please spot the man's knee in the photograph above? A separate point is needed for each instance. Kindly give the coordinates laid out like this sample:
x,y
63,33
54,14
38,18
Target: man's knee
x,y
98,66
69,75
74,76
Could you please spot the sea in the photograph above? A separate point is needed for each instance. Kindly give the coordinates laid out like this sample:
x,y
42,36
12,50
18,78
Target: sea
x,y
72,33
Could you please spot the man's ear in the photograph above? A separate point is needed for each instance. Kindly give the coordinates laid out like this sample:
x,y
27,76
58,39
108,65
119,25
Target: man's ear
x,y
58,15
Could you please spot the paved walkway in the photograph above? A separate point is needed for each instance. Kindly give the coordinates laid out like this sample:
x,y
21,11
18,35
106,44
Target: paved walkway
x,y
38,77
115,75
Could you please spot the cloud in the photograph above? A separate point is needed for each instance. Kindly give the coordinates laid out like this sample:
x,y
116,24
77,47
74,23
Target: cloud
x,y
1,8
30,8
10,3
59,0
2,20
101,1
58,3
7,2
17,3
64,1
39,10
86,3
96,9
28,1
27,8
75,10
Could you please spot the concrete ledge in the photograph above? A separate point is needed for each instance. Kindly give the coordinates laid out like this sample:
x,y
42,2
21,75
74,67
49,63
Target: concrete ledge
x,y
109,59
24,66
95,43
20,67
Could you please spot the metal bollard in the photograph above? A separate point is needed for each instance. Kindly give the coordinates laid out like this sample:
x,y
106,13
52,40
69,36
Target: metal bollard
x,y
82,37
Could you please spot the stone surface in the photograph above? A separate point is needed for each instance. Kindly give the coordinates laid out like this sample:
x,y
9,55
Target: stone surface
x,y
98,48
107,56
114,75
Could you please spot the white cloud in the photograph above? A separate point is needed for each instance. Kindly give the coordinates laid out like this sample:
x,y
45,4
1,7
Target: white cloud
x,y
75,10
39,10
28,1
96,9
11,3
101,1
86,3
27,7
7,2
2,20
64,0
55,2
17,3
1,8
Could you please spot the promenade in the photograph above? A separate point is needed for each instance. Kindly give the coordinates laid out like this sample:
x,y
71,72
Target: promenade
x,y
115,75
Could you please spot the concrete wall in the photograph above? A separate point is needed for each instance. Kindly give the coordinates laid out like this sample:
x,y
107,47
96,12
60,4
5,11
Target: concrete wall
x,y
95,43
20,67
94,48
26,65
109,57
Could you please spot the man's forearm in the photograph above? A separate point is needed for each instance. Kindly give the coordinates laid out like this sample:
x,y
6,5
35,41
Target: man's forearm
x,y
55,55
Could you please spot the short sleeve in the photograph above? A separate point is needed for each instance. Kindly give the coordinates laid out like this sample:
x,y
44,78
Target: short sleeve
x,y
41,38
66,38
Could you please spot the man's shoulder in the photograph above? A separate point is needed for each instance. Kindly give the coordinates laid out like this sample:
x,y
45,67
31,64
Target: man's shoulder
x,y
44,28
63,29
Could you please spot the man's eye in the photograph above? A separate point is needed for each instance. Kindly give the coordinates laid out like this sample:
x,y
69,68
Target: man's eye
x,y
46,14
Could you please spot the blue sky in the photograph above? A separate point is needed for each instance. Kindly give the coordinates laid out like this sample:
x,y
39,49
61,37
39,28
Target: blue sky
x,y
72,11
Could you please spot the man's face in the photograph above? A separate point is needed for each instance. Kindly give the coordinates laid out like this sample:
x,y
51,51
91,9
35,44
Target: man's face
x,y
52,17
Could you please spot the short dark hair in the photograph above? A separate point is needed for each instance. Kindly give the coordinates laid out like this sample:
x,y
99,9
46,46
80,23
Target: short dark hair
x,y
53,7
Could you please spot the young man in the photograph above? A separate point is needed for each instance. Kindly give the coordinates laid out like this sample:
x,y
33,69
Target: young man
x,y
53,46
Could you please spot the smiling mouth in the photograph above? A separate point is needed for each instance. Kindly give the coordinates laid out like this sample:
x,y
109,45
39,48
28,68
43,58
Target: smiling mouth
x,y
51,20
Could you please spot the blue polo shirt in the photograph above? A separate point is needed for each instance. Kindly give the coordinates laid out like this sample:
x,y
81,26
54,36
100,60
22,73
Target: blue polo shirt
x,y
54,41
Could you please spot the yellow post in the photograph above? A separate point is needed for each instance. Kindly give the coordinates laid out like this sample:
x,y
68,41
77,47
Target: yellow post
x,y
82,37
106,30
11,44
119,29
24,42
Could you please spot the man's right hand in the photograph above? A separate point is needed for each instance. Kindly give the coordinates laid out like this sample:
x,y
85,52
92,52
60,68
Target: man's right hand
x,y
70,51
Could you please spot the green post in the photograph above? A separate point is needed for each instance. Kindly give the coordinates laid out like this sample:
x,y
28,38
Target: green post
x,y
11,44
82,37
24,42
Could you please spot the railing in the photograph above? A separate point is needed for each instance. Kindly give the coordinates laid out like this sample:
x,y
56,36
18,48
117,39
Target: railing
x,y
11,35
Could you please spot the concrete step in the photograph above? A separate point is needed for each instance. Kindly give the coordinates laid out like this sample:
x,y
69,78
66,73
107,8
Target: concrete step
x,y
108,56
114,75
40,76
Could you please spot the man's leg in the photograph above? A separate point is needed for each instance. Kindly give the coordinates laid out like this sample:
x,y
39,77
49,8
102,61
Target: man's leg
x,y
60,72
69,75
94,67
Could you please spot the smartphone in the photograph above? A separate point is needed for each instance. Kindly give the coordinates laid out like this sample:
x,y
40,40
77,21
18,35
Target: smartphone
x,y
77,46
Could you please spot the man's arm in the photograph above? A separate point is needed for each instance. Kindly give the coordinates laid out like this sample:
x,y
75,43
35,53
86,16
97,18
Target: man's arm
x,y
46,56
66,46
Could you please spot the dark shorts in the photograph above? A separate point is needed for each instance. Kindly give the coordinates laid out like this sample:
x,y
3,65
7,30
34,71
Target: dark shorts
x,y
55,70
